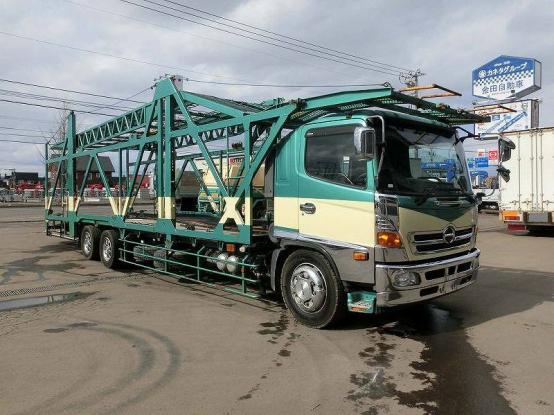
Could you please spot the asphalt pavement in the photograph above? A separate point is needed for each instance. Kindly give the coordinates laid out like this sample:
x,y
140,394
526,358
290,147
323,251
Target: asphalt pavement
x,y
95,341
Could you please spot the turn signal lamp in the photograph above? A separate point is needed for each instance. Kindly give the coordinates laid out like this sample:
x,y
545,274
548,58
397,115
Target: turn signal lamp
x,y
360,256
508,217
389,239
511,215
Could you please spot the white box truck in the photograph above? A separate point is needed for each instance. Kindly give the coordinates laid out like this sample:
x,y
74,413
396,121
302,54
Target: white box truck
x,y
527,199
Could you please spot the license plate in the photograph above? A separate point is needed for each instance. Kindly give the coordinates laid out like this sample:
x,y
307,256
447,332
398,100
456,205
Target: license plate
x,y
537,217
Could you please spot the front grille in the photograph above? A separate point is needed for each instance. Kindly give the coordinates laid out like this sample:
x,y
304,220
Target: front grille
x,y
428,291
448,271
434,242
434,274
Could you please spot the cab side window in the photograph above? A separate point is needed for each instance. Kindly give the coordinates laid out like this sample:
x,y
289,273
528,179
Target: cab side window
x,y
331,156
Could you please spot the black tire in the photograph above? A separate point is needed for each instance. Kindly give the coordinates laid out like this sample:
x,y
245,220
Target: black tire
x,y
312,264
90,237
108,247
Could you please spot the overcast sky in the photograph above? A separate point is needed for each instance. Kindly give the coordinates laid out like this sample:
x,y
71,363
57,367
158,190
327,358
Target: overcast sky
x,y
445,39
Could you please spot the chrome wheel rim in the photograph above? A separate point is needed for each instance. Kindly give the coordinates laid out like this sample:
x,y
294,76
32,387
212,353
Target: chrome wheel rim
x,y
308,288
107,249
87,243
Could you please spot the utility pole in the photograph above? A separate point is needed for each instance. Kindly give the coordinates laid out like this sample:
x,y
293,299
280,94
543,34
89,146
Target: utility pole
x,y
411,79
11,182
12,171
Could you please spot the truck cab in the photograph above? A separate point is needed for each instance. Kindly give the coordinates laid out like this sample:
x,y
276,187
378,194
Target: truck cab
x,y
354,189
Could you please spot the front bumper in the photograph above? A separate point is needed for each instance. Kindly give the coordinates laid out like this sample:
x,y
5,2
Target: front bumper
x,y
436,278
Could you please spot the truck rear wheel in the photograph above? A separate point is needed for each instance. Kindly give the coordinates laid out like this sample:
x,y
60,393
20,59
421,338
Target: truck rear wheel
x,y
90,236
311,290
109,252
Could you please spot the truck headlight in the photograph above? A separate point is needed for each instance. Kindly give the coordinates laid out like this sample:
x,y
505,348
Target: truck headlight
x,y
402,278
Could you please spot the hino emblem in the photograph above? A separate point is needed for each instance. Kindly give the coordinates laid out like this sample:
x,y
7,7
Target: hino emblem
x,y
449,234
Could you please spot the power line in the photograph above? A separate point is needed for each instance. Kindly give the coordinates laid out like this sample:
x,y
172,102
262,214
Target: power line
x,y
359,59
19,129
89,104
40,97
289,37
132,96
284,86
11,81
13,117
47,42
395,73
29,95
22,135
261,35
303,49
17,141
174,67
97,106
53,107
165,27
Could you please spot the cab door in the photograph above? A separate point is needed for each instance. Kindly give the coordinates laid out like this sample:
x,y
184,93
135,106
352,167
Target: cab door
x,y
335,188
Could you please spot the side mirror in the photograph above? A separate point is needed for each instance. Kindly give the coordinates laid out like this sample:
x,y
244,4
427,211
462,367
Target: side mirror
x,y
504,173
364,142
479,197
505,147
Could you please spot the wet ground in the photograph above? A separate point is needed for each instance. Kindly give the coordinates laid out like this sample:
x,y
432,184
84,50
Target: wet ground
x,y
78,339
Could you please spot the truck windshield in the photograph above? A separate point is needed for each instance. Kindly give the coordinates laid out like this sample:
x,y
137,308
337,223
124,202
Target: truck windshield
x,y
423,162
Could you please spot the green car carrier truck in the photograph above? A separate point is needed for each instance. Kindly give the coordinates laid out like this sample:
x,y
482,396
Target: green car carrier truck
x,y
325,201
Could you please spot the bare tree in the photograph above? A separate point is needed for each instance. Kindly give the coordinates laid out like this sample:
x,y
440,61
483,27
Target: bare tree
x,y
57,133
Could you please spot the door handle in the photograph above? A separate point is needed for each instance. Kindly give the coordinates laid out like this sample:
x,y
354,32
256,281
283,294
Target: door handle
x,y
308,208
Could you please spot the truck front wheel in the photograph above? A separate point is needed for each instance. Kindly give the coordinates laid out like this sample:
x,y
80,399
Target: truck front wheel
x,y
109,252
311,290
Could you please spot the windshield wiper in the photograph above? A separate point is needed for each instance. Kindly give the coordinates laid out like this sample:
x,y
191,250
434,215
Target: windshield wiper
x,y
422,197
427,193
470,197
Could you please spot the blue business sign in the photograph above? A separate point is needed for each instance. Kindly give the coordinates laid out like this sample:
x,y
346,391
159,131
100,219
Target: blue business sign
x,y
507,77
445,168
439,165
481,162
482,174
